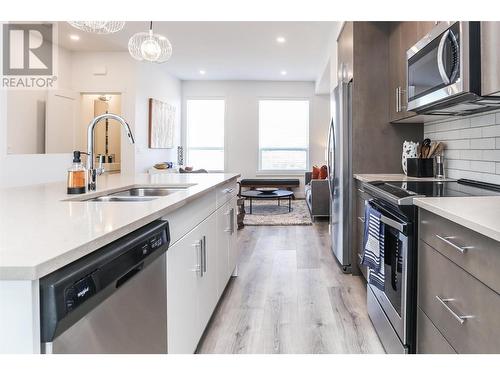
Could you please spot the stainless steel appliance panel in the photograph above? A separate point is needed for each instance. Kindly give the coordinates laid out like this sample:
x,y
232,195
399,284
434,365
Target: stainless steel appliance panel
x,y
131,320
340,174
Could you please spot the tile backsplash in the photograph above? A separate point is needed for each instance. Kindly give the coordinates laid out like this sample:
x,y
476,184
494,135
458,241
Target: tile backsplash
x,y
472,145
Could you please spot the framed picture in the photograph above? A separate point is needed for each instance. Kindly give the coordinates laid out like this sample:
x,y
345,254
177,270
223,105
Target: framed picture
x,y
161,124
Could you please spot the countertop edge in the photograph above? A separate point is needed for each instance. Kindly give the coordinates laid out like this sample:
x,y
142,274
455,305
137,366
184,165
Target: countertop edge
x,y
33,273
460,220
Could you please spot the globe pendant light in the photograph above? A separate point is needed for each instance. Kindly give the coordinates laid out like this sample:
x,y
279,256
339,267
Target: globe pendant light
x,y
149,46
98,27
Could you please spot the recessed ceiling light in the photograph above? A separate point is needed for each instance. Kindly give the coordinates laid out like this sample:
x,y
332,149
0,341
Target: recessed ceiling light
x,y
283,72
281,39
202,72
74,37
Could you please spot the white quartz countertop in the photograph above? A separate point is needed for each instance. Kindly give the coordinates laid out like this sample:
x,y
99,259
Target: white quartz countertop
x,y
41,232
481,214
392,177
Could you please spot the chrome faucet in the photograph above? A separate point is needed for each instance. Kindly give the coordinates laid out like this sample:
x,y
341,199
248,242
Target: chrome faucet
x,y
91,170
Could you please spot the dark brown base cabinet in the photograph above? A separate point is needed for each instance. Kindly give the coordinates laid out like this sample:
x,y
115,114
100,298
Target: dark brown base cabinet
x,y
458,289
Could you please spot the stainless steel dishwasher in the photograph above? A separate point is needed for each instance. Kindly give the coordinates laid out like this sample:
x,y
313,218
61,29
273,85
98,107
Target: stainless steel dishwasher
x,y
113,300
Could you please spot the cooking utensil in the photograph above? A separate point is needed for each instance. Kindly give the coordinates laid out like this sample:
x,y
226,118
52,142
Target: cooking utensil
x,y
432,149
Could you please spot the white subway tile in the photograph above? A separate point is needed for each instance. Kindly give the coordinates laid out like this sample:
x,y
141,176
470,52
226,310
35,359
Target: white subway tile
x,y
470,133
493,155
460,144
498,168
498,118
471,154
483,166
491,131
459,164
498,143
483,120
454,124
453,154
484,143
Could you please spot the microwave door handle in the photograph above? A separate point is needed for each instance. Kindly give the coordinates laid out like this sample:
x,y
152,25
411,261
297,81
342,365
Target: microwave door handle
x,y
442,71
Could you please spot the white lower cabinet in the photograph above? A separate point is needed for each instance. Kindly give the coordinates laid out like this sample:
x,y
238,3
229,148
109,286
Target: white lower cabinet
x,y
199,266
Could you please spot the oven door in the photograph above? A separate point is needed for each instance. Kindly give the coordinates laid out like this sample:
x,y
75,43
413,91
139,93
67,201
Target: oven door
x,y
394,297
435,65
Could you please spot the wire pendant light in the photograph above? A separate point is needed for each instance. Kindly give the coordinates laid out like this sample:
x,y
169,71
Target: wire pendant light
x,y
147,46
98,27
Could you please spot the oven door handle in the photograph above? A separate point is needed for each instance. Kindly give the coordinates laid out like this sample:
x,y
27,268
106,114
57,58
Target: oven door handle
x,y
442,71
393,223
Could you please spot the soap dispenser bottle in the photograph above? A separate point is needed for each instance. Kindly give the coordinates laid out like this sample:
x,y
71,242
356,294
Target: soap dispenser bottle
x,y
76,175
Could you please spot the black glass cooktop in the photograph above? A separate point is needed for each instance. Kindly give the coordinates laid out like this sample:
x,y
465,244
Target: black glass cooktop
x,y
459,188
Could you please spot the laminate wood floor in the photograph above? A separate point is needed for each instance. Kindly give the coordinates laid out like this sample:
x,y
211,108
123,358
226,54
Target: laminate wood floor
x,y
290,297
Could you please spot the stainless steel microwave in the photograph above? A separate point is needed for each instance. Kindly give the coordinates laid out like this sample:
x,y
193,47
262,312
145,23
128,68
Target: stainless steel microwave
x,y
444,71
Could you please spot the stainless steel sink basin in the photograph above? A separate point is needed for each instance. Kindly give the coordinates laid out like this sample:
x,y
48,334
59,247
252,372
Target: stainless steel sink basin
x,y
109,198
146,192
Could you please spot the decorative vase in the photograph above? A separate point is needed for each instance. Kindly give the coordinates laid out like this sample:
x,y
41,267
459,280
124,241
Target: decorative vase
x,y
409,151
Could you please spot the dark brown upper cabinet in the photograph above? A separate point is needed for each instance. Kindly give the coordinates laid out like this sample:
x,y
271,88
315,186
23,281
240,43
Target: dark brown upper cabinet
x,y
403,35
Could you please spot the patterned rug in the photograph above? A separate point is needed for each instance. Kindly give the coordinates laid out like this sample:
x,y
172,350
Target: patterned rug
x,y
269,213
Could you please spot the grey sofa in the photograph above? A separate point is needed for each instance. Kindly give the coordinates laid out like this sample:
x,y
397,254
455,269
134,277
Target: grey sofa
x,y
317,193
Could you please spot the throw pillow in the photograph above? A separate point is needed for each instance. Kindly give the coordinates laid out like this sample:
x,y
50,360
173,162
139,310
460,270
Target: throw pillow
x,y
323,173
316,172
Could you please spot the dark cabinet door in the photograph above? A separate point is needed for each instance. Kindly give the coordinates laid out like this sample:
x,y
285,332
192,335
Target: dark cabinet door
x,y
403,35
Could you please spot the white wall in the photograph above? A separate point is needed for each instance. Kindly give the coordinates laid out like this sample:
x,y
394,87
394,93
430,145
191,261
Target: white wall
x,y
472,146
241,121
135,81
153,82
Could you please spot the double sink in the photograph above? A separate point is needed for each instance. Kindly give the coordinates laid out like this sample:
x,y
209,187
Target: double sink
x,y
139,194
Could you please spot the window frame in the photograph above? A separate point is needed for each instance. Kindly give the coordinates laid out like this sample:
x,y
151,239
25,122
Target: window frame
x,y
186,127
290,172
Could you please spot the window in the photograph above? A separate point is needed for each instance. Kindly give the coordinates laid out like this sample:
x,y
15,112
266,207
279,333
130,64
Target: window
x,y
205,134
283,135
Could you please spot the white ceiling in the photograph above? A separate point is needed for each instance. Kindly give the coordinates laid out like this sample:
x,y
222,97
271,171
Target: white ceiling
x,y
226,50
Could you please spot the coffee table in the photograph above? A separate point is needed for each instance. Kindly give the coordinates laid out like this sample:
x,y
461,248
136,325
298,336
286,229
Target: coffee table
x,y
270,195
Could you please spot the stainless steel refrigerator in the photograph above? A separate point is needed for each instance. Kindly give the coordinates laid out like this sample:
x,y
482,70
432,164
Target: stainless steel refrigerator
x,y
340,173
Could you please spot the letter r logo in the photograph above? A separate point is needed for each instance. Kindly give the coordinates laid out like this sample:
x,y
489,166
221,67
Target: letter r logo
x,y
27,49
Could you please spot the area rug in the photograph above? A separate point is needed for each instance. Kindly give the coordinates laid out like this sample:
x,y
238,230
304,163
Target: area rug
x,y
269,213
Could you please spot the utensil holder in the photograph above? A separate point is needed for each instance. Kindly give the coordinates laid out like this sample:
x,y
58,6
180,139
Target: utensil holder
x,y
420,167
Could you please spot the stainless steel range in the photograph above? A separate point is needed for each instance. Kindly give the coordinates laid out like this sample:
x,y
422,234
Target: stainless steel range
x,y
393,310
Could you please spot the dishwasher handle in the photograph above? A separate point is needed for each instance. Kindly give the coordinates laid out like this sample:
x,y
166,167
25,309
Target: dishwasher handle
x,y
134,271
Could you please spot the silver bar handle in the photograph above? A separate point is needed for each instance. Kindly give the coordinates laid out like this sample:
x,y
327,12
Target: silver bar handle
x,y
204,250
392,223
362,219
227,190
198,268
447,240
460,318
231,222
228,214
397,99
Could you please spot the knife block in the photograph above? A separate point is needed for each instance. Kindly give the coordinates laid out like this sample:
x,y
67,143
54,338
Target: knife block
x,y
420,167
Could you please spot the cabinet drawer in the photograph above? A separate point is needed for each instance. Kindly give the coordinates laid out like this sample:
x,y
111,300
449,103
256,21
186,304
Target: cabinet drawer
x,y
429,339
462,308
225,192
480,256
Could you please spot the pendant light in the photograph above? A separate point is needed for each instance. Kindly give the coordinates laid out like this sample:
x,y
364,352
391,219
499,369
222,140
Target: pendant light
x,y
147,46
98,27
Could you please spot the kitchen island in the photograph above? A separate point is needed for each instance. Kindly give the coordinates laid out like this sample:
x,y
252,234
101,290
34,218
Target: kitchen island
x,y
42,230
